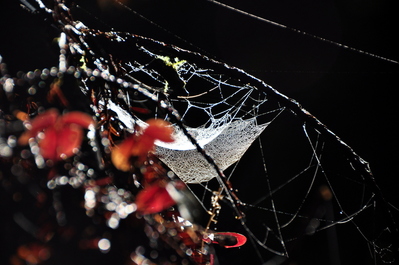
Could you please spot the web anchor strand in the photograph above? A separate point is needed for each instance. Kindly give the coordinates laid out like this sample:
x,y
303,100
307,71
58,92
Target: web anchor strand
x,y
282,26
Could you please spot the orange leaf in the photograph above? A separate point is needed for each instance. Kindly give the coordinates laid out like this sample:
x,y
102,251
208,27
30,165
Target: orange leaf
x,y
121,153
143,145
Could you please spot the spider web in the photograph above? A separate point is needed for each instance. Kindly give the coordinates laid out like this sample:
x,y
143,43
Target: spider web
x,y
286,198
312,188
228,131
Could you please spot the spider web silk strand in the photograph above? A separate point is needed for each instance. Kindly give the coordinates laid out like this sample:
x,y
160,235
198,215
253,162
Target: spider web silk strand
x,y
340,45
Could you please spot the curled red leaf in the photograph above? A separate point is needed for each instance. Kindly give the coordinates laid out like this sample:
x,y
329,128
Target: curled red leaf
x,y
159,130
226,239
153,199
140,144
62,134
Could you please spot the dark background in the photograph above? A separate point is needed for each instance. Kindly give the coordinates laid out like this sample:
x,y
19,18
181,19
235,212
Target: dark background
x,y
353,93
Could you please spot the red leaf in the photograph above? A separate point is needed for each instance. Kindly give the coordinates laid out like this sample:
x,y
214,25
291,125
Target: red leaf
x,y
159,130
48,145
77,117
61,134
69,138
140,110
41,122
153,199
224,238
44,120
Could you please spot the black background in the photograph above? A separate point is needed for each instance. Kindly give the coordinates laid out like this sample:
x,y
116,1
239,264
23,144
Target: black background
x,y
353,93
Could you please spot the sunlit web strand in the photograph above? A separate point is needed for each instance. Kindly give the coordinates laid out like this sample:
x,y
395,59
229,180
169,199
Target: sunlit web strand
x,y
160,27
340,45
333,222
280,235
